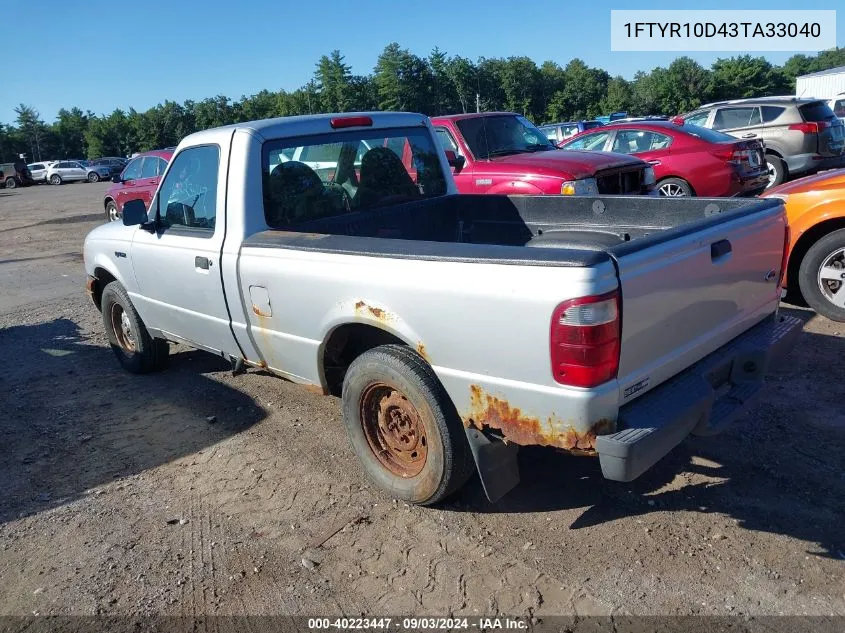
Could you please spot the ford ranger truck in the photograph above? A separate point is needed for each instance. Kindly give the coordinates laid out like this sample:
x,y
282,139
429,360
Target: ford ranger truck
x,y
504,153
453,328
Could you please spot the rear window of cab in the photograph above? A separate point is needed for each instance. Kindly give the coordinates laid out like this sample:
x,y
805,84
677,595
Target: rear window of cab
x,y
322,176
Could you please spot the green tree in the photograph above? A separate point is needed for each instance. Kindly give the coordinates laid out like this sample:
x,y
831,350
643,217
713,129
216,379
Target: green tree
x,y
619,97
262,105
332,78
583,90
69,133
745,76
33,131
463,77
520,80
444,97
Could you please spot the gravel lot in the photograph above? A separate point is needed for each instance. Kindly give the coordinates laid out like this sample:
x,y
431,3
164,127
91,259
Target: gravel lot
x,y
119,496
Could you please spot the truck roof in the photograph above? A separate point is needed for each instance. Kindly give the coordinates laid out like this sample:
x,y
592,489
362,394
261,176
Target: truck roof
x,y
305,125
471,115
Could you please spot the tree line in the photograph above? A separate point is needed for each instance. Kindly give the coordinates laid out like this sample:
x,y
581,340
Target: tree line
x,y
434,85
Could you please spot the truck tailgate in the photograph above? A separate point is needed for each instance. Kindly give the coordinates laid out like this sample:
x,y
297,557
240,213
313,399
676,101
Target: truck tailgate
x,y
689,290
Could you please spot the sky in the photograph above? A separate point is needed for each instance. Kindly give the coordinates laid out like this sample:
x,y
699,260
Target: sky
x,y
102,56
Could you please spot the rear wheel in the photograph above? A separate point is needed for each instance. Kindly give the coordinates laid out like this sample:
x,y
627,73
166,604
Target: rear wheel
x,y
93,177
403,426
674,188
821,276
55,179
135,349
777,170
11,183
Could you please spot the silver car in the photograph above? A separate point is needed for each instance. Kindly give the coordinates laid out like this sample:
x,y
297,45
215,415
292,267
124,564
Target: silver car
x,y
73,170
802,136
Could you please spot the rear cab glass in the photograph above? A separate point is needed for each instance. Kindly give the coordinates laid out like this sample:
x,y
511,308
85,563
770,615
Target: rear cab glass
x,y
322,176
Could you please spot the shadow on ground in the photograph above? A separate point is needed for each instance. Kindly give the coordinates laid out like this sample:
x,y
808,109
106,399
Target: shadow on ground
x,y
778,469
74,420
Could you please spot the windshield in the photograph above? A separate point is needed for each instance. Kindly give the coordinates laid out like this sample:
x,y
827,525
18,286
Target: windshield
x,y
502,135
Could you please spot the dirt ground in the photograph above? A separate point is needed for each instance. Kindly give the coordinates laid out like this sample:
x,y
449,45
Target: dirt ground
x,y
118,496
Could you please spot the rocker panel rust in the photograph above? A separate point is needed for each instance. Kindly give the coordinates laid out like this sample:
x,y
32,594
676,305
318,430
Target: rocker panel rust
x,y
489,412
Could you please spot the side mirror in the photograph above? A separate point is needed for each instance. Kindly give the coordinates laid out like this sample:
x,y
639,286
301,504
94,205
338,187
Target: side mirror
x,y
134,213
116,178
454,160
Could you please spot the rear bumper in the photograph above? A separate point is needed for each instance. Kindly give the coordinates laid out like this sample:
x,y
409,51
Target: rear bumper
x,y
804,163
702,400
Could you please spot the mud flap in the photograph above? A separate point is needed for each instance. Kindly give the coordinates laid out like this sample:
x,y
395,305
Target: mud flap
x,y
496,462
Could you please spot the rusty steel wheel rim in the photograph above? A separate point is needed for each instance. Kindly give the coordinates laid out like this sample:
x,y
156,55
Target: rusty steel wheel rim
x,y
122,328
394,430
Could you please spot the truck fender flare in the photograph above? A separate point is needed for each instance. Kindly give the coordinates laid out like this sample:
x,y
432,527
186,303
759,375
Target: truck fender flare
x,y
516,187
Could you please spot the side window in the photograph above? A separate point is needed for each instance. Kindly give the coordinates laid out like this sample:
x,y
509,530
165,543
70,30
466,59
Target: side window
x,y
133,170
730,118
162,166
770,113
839,108
699,118
550,132
568,130
593,142
446,139
149,168
634,141
188,196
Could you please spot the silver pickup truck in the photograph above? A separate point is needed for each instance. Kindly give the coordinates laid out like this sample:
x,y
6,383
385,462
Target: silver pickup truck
x,y
454,328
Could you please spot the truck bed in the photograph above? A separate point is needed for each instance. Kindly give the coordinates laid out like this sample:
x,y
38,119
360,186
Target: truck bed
x,y
577,231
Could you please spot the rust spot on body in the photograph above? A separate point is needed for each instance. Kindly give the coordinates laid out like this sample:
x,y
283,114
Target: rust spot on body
x,y
259,312
379,313
487,411
421,351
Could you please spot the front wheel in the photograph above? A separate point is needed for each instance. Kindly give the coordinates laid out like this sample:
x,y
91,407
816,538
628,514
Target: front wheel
x,y
135,349
55,179
403,426
11,183
112,212
674,188
93,177
821,276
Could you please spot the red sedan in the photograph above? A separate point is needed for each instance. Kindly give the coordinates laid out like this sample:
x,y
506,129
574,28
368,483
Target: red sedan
x,y
138,180
688,160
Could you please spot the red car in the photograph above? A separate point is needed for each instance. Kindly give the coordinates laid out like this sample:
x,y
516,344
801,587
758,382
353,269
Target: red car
x,y
139,179
688,160
504,153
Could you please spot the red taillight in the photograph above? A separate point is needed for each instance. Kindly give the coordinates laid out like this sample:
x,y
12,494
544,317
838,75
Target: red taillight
x,y
809,127
784,260
584,340
350,121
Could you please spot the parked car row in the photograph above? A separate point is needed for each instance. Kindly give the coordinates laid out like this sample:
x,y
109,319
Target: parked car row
x,y
57,172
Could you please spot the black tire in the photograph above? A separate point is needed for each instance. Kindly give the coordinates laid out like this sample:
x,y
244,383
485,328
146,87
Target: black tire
x,y
55,179
679,188
777,170
93,177
391,374
135,349
11,183
112,212
829,251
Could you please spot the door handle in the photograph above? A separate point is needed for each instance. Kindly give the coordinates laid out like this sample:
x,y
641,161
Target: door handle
x,y
749,136
203,263
654,162
719,250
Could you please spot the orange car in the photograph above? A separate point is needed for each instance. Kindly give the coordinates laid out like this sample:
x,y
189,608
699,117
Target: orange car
x,y
815,209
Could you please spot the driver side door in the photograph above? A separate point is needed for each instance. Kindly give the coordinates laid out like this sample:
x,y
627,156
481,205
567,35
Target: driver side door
x,y
177,266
